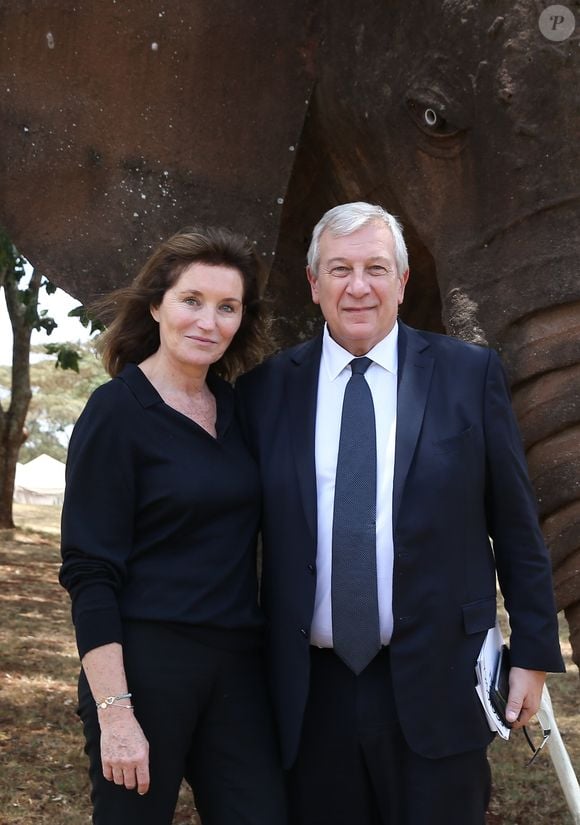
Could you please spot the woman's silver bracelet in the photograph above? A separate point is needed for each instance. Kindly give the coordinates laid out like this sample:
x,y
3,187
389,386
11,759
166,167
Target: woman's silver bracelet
x,y
110,700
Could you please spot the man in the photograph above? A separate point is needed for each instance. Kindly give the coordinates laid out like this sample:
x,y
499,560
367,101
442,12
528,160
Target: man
x,y
372,651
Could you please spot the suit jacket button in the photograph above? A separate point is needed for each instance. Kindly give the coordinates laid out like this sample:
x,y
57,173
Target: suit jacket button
x,y
304,632
311,568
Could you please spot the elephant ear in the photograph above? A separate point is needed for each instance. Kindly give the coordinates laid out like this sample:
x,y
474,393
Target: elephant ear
x,y
121,125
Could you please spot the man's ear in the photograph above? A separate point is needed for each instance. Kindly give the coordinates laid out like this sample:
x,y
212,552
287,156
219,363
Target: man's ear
x,y
313,281
402,284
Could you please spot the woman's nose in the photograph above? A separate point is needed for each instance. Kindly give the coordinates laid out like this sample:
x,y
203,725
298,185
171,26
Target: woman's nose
x,y
206,317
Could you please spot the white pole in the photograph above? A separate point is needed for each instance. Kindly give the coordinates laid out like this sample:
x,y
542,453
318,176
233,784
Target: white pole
x,y
561,759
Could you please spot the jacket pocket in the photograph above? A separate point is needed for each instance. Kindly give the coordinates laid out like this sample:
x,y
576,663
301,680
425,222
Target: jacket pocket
x,y
454,442
479,615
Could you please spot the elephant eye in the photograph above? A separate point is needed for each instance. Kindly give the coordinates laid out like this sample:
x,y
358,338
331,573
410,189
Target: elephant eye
x,y
431,119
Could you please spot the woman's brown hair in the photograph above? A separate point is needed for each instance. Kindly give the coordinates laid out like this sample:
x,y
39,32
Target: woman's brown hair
x,y
133,335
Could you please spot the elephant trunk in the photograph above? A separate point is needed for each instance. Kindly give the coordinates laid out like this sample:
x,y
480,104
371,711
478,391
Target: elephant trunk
x,y
542,356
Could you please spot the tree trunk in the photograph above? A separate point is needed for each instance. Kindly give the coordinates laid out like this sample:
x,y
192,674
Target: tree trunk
x,y
9,448
22,310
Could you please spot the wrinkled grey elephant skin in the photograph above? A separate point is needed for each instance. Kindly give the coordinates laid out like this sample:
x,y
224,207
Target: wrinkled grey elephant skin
x,y
122,121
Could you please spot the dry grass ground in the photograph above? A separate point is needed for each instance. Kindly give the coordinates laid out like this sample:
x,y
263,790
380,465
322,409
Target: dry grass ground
x,y
43,771
42,764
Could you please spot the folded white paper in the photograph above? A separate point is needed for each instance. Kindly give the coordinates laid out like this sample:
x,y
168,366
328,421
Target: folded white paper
x,y
484,670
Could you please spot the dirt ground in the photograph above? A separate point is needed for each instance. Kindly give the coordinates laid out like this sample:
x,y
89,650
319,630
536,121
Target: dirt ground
x,y
43,771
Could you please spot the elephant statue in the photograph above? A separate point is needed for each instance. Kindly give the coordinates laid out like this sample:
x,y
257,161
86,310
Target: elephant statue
x,y
122,121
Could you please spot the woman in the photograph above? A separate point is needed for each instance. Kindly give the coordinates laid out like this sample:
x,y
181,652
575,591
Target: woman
x,y
158,544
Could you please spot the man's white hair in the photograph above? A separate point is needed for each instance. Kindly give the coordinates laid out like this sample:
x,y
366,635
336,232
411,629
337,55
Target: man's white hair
x,y
348,218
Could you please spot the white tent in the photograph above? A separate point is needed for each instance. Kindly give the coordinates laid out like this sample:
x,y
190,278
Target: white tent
x,y
41,481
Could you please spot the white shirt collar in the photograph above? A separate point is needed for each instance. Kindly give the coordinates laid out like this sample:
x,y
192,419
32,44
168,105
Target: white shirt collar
x,y
336,358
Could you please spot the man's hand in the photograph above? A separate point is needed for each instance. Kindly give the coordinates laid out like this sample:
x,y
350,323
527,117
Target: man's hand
x,y
524,696
124,749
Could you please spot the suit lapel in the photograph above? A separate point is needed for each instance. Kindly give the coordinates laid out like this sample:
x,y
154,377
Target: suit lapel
x,y
414,378
301,395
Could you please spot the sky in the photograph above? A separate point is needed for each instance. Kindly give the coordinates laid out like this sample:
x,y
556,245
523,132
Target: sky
x,y
58,305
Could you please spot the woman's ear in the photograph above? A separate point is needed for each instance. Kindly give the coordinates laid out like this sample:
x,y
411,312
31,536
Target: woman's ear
x,y
154,312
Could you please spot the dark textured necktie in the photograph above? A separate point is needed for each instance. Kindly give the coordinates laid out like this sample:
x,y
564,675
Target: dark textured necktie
x,y
355,610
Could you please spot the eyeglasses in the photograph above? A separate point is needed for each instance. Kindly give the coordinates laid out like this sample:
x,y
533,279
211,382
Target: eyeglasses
x,y
538,732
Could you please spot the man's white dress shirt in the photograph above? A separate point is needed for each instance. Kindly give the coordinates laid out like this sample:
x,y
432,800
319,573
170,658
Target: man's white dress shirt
x,y
381,376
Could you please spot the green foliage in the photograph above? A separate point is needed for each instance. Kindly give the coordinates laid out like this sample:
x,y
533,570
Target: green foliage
x,y
42,320
67,357
10,260
88,322
12,265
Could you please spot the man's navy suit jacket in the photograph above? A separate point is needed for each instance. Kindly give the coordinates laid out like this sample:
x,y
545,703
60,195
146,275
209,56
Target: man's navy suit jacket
x,y
462,508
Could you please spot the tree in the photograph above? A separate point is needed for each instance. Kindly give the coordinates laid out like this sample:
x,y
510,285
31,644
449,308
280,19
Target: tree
x,y
21,292
58,398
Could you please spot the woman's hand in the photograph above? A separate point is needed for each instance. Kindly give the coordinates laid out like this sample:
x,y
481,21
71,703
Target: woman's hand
x,y
124,749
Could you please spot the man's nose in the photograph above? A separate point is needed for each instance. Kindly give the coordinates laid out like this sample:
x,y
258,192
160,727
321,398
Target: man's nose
x,y
358,282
